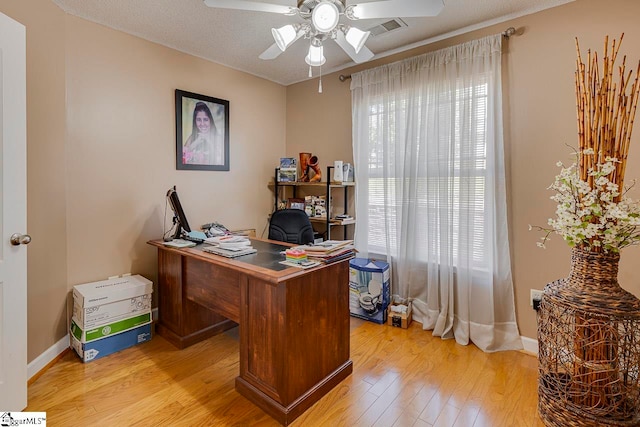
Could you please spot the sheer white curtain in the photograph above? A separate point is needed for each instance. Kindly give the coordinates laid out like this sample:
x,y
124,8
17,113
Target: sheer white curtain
x,y
430,194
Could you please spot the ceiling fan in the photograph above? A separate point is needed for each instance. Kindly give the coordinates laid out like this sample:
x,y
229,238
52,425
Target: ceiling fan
x,y
321,22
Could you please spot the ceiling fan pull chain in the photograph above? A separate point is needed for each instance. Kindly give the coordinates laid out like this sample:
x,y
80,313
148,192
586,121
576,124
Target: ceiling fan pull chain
x,y
320,84
310,73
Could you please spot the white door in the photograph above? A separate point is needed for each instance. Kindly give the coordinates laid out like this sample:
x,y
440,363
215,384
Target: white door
x,y
13,217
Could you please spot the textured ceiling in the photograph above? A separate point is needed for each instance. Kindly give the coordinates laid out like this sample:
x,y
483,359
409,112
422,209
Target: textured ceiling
x,y
235,38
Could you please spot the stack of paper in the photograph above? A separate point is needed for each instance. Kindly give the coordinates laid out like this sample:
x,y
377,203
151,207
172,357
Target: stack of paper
x,y
179,243
229,246
329,251
295,255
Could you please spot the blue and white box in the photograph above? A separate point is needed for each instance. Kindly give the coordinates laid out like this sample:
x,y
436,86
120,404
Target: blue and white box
x,y
369,289
99,348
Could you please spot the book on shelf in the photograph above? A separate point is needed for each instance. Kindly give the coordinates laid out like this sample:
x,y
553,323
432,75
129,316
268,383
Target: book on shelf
x,y
288,171
343,219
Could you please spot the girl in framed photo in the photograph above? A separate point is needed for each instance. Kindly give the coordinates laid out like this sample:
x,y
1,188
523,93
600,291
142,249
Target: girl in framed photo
x,y
204,146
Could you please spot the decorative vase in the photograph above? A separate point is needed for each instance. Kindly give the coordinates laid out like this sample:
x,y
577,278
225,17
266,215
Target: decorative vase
x,y
304,167
589,347
315,167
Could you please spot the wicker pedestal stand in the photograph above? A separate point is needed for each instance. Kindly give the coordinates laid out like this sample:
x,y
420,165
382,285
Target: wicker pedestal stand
x,y
589,347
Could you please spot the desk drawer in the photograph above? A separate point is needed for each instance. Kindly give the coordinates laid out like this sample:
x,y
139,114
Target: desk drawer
x,y
214,287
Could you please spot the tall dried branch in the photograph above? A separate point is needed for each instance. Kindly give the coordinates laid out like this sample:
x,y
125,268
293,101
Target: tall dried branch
x,y
605,110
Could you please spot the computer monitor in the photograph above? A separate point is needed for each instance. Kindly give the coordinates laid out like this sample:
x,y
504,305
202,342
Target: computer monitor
x,y
179,217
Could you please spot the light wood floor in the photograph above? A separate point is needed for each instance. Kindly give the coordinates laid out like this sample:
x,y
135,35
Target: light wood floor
x,y
400,378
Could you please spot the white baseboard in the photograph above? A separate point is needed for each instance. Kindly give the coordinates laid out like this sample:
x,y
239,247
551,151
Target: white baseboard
x,y
530,345
45,358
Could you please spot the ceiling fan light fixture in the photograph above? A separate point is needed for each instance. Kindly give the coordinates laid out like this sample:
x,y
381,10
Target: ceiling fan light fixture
x,y
284,36
325,16
315,57
357,38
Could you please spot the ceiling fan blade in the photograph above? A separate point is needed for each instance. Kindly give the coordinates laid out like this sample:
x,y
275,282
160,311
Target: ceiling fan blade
x,y
274,51
397,8
363,56
251,5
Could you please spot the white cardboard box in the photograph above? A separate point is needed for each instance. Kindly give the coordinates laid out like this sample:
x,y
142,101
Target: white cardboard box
x,y
90,317
111,290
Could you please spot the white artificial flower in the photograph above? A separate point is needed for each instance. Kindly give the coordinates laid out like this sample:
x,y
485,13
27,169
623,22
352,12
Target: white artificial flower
x,y
590,217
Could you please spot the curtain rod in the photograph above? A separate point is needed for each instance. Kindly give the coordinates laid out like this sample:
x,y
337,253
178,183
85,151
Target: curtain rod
x,y
506,33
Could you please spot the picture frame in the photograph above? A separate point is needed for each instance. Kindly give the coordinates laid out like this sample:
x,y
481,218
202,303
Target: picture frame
x,y
295,203
202,132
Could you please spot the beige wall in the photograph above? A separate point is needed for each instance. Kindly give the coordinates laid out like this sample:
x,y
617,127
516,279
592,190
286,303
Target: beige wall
x,y
539,121
100,163
46,193
121,148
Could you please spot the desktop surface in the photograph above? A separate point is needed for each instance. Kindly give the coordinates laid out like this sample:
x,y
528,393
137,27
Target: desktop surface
x,y
268,255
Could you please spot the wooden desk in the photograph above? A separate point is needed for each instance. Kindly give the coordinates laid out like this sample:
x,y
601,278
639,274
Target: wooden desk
x,y
294,323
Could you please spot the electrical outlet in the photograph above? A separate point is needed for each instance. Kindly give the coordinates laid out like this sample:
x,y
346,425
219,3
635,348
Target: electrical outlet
x,y
535,295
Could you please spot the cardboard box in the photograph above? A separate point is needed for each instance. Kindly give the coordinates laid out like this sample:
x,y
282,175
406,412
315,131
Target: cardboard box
x,y
92,317
107,291
92,334
399,320
96,349
369,289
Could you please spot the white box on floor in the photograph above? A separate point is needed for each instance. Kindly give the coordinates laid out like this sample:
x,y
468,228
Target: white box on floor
x,y
90,317
107,301
107,291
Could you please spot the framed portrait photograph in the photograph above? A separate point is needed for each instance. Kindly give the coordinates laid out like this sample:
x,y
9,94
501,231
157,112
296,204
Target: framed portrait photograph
x,y
202,132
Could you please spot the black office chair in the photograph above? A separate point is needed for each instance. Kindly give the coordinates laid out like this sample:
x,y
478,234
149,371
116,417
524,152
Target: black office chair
x,y
291,226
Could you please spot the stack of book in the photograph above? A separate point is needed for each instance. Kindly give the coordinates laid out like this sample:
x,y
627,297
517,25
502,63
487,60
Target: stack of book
x,y
344,219
229,246
329,251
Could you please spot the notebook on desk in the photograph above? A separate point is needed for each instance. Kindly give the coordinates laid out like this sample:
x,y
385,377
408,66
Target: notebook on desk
x,y
229,253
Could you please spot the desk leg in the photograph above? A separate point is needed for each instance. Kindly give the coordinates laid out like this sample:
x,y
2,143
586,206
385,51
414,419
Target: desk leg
x,y
294,340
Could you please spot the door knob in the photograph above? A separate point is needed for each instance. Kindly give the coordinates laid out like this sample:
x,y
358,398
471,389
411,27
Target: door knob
x,y
20,239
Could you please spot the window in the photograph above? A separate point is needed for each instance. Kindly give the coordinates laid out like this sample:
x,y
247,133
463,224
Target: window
x,y
438,177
